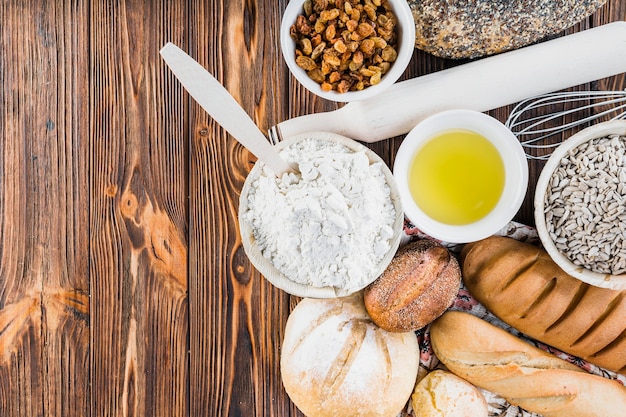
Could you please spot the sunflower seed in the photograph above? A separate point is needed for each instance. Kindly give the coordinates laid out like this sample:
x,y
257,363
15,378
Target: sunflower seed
x,y
585,205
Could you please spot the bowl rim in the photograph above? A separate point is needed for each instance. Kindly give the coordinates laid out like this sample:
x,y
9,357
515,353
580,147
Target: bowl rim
x,y
513,158
616,282
264,266
406,47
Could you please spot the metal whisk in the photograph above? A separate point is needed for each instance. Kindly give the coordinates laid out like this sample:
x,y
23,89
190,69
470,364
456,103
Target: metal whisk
x,y
539,121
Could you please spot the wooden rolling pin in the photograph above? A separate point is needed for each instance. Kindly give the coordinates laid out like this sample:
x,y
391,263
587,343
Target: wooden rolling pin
x,y
480,85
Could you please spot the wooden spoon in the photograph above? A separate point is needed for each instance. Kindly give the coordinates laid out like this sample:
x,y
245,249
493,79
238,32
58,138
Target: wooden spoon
x,y
223,107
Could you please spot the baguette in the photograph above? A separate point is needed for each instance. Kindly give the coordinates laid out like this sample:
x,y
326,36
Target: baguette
x,y
524,375
521,285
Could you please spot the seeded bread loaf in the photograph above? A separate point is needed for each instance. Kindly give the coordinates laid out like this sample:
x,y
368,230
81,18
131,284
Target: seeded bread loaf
x,y
419,284
474,28
519,283
336,362
526,376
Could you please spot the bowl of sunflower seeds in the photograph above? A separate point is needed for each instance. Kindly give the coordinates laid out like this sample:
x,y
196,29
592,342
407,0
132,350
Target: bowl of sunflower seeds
x,y
580,205
347,50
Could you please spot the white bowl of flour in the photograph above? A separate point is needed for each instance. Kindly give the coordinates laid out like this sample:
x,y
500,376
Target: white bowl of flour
x,y
328,231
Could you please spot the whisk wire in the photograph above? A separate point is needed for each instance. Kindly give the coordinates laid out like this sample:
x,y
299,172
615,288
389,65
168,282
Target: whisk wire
x,y
533,129
566,126
539,120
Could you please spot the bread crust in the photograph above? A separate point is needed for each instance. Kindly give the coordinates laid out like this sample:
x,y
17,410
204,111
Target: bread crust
x,y
524,375
335,361
474,28
441,393
419,284
521,285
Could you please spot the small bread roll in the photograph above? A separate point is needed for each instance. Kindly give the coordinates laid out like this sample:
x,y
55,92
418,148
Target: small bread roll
x,y
443,394
419,284
336,362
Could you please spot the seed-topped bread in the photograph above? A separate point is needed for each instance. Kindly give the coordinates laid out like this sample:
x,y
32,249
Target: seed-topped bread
x,y
474,28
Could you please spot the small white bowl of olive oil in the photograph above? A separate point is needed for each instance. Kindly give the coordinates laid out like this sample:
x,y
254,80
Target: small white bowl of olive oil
x,y
462,176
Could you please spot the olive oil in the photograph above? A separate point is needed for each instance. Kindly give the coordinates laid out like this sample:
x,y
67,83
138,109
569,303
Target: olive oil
x,y
457,177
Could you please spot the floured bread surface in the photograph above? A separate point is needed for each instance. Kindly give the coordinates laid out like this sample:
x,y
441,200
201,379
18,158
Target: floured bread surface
x,y
474,28
443,394
336,362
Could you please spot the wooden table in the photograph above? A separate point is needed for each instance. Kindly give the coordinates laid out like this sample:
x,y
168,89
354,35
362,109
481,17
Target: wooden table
x,y
124,289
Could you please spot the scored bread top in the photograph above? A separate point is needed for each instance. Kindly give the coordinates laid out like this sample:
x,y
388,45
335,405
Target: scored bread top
x,y
495,360
521,285
419,284
335,361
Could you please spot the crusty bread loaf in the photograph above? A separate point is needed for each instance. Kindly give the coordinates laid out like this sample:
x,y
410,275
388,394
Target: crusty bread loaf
x,y
441,393
336,362
520,284
531,378
473,28
419,284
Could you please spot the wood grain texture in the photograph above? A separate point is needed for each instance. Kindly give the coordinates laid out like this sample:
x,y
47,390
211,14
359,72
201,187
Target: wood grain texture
x,y
124,288
44,287
138,256
238,317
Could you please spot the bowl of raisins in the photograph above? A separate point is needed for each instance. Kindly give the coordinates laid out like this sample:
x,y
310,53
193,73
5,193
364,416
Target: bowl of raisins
x,y
347,50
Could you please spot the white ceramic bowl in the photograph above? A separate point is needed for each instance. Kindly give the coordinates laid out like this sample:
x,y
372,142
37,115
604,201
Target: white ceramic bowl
x,y
406,46
264,265
616,282
515,174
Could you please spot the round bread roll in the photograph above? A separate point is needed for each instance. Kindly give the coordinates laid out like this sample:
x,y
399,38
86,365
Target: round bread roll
x,y
443,394
419,284
336,362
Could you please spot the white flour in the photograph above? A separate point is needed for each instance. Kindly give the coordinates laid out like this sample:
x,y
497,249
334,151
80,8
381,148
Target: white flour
x,y
329,226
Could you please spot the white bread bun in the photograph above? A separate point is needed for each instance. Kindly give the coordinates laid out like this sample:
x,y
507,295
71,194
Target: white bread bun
x,y
443,394
336,362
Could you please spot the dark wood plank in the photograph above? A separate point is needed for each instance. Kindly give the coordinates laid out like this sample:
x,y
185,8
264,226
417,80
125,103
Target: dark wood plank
x,y
44,303
138,257
238,317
